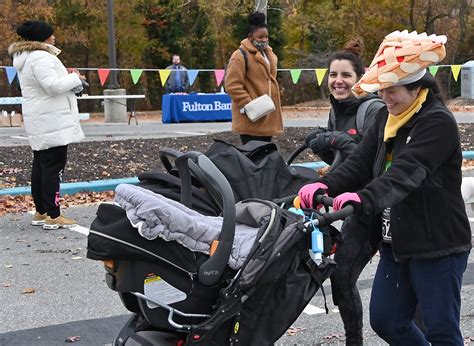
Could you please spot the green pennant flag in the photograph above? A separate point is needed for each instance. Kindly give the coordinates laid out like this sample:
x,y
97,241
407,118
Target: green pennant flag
x,y
433,70
295,75
136,74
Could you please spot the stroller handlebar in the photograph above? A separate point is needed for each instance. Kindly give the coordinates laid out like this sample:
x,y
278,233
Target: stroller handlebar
x,y
321,219
336,162
211,270
330,217
164,155
295,153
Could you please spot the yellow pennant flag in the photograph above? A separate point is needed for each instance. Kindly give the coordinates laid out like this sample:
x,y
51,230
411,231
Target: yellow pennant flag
x,y
455,70
164,74
320,73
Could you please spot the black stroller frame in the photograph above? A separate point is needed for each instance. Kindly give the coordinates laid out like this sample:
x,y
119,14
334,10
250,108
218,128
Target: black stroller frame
x,y
279,253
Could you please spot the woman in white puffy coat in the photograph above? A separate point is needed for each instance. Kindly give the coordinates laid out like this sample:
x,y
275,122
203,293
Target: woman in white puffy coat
x,y
50,115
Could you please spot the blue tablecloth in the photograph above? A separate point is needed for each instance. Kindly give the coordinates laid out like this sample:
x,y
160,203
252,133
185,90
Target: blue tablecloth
x,y
196,107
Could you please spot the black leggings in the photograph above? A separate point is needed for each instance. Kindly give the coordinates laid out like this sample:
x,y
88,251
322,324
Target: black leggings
x,y
247,138
351,258
46,176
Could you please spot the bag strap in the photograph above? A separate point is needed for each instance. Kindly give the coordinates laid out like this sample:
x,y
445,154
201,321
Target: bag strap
x,y
332,119
244,53
362,112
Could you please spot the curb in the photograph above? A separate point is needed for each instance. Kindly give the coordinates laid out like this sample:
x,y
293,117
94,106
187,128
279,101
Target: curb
x,y
72,188
111,184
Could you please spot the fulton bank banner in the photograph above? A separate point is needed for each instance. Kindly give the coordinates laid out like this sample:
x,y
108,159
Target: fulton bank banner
x,y
196,107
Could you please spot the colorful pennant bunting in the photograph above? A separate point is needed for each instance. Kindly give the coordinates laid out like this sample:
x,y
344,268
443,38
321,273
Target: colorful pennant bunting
x,y
320,73
103,74
295,75
164,74
11,73
433,70
192,74
455,70
136,74
219,76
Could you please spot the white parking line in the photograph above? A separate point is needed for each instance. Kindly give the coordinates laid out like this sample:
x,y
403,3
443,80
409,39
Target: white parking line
x,y
80,229
313,310
190,133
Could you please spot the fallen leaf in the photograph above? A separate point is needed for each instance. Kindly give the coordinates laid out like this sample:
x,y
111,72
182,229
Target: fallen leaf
x,y
73,338
9,266
332,336
6,284
28,290
292,331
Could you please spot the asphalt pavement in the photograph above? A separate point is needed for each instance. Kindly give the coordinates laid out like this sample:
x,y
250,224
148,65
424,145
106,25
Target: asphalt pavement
x,y
49,291
71,298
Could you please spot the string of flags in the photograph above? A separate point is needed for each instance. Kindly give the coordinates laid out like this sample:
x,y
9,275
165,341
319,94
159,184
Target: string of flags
x,y
136,73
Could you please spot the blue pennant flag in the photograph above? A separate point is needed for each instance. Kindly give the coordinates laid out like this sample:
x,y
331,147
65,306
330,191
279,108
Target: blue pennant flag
x,y
192,74
11,73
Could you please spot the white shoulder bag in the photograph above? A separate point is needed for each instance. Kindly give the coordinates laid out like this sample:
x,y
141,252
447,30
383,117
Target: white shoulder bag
x,y
260,106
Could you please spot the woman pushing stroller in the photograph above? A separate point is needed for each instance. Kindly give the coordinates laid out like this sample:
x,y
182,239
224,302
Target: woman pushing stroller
x,y
349,118
405,179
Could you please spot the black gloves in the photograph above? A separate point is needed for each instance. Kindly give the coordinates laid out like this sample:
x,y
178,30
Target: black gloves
x,y
335,140
312,135
325,144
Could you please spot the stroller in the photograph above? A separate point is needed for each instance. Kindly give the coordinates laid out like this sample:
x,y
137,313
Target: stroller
x,y
254,170
180,296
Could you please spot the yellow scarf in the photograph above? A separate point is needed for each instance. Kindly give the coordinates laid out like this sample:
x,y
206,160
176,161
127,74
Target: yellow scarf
x,y
395,122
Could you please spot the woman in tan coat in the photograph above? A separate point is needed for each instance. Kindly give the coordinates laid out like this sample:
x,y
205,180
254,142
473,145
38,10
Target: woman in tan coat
x,y
252,73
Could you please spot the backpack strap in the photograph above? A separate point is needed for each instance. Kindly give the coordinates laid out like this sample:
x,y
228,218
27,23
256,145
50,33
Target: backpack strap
x,y
332,119
244,53
376,103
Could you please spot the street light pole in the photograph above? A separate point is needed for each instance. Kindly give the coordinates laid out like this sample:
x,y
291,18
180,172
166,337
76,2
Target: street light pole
x,y
261,6
115,110
113,82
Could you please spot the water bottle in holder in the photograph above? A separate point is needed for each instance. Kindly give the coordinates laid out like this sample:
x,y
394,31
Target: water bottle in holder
x,y
317,245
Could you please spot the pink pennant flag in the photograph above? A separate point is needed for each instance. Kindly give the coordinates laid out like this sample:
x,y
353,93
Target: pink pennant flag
x,y
103,74
219,76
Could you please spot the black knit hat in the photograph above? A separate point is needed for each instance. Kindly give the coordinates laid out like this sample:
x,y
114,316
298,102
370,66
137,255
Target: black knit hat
x,y
35,30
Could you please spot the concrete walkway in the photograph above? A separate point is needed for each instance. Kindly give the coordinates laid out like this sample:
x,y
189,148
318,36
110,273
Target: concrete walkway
x,y
99,131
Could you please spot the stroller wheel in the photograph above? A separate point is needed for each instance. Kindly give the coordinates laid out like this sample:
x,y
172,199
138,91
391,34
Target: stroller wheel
x,y
128,336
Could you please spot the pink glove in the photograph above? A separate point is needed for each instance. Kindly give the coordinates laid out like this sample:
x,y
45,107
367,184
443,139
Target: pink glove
x,y
347,197
308,192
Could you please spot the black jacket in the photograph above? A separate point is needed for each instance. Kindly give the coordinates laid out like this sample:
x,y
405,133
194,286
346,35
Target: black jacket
x,y
346,114
422,186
